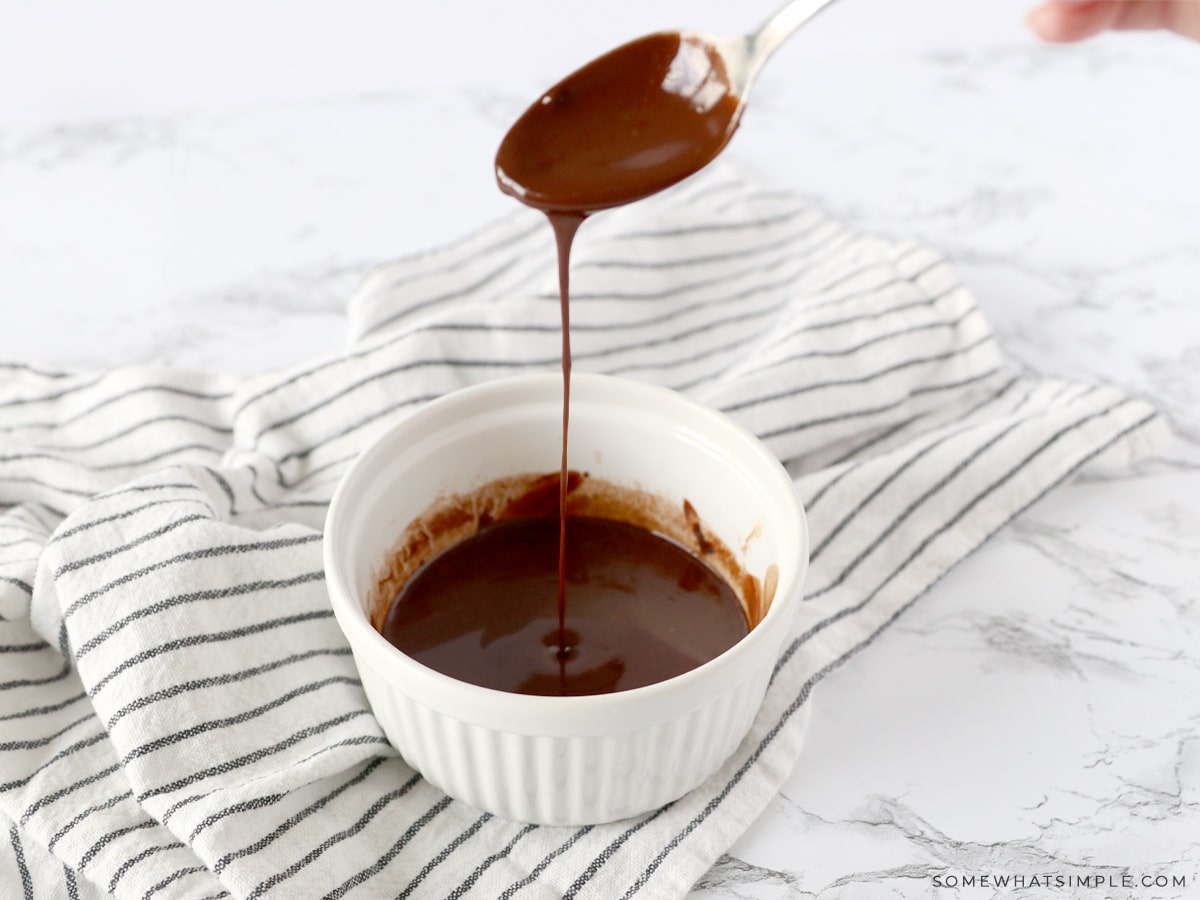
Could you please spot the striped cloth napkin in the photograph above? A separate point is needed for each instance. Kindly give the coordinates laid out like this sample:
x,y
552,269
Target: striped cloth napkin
x,y
179,713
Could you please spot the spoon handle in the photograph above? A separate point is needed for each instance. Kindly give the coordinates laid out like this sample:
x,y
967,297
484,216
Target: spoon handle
x,y
767,38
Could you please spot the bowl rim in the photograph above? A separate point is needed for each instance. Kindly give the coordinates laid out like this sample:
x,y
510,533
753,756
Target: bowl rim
x,y
397,666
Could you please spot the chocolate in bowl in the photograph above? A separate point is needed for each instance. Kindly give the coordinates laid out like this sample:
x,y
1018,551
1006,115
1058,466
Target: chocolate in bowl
x,y
575,759
470,588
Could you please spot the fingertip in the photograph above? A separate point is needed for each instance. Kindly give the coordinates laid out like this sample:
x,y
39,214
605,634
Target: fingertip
x,y
1065,21
1040,21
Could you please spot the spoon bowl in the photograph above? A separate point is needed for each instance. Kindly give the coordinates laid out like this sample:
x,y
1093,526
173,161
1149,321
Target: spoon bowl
x,y
638,119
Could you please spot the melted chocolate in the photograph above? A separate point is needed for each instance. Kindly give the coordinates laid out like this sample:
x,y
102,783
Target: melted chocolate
x,y
565,225
625,126
642,609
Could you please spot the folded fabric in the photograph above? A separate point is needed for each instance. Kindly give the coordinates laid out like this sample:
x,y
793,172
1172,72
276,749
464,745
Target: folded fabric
x,y
179,713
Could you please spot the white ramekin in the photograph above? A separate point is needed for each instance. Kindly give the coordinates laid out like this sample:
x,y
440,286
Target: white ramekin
x,y
566,760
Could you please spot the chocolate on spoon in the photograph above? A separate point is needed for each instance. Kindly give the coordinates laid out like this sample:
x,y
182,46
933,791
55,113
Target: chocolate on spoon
x,y
638,119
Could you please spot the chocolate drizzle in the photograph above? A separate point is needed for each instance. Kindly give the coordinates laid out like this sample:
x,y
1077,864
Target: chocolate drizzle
x,y
642,607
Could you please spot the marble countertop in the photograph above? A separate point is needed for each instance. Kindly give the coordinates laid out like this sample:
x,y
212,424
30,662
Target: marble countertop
x,y
204,184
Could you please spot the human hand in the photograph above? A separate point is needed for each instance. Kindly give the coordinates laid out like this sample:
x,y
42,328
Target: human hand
x,y
1062,21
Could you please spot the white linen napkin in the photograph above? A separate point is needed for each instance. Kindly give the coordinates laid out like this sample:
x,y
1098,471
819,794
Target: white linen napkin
x,y
179,713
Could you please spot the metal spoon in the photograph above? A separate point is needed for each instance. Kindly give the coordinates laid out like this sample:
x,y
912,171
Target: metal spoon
x,y
639,118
